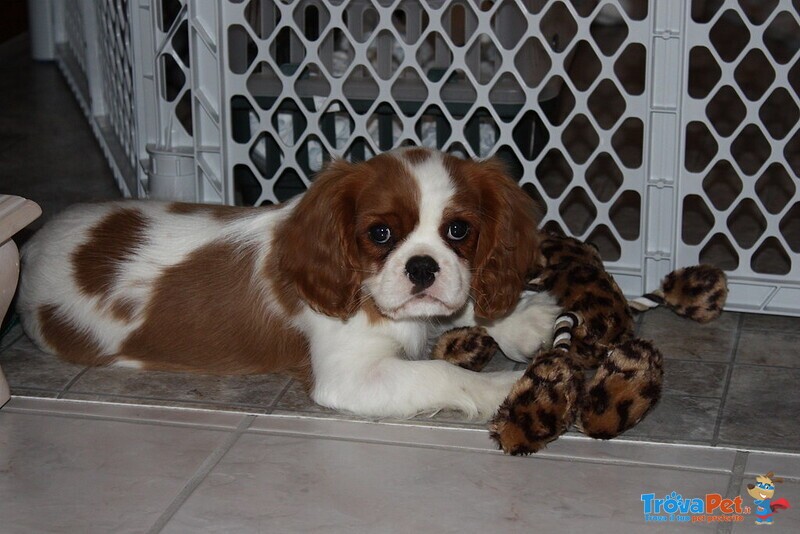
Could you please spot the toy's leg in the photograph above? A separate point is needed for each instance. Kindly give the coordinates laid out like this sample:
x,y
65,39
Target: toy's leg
x,y
626,386
469,347
543,403
541,406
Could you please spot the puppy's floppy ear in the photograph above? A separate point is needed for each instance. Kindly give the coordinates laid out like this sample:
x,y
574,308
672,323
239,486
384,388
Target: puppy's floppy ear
x,y
316,246
508,244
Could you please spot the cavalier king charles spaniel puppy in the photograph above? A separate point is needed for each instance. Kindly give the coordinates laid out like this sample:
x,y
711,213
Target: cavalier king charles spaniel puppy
x,y
345,287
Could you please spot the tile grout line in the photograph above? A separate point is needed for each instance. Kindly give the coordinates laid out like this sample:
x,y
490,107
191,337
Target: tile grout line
x,y
200,475
495,452
216,405
766,366
727,385
274,405
127,420
10,345
71,383
734,483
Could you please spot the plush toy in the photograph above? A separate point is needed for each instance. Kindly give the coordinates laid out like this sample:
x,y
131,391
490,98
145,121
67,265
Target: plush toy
x,y
594,331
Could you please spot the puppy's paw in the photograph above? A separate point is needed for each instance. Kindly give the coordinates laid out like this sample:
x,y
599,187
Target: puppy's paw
x,y
624,389
528,328
468,347
490,392
541,406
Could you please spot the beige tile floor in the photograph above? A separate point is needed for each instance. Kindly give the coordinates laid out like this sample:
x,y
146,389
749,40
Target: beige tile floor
x,y
78,466
114,450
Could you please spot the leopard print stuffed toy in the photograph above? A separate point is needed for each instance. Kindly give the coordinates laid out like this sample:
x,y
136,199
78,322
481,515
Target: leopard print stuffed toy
x,y
595,331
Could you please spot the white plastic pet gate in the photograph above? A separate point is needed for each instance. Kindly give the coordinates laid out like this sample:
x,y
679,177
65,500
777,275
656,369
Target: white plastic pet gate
x,y
665,132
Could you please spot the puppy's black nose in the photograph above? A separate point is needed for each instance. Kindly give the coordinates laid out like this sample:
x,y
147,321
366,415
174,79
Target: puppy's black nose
x,y
421,270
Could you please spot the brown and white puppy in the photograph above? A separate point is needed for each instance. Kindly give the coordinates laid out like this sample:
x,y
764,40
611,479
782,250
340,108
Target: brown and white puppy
x,y
344,287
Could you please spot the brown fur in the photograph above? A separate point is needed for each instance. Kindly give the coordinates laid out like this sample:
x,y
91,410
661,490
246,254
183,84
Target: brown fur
x,y
66,339
507,249
214,299
417,155
335,240
112,241
123,310
220,212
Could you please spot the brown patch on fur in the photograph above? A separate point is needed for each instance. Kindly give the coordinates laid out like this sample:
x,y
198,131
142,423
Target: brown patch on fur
x,y
504,218
208,314
374,315
469,347
123,310
67,339
322,251
217,211
416,155
96,263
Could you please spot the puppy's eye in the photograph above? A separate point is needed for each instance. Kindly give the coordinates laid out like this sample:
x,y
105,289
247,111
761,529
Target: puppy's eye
x,y
457,230
380,234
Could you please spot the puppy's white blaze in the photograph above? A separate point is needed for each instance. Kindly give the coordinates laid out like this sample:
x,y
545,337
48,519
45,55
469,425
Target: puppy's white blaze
x,y
391,289
436,190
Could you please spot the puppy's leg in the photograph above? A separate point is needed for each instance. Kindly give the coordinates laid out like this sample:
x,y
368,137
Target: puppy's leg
x,y
524,331
527,328
371,380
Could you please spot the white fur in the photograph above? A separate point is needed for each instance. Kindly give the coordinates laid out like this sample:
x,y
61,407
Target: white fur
x,y
373,369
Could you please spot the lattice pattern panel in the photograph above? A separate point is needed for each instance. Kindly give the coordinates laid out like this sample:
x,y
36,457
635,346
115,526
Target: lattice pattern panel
x,y
174,75
740,204
76,37
117,72
555,88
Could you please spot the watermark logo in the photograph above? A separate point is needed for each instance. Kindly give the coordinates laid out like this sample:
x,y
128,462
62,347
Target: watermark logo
x,y
762,493
675,508
714,508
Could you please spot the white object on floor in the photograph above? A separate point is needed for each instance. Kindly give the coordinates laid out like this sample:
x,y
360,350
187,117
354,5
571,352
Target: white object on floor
x,y
15,214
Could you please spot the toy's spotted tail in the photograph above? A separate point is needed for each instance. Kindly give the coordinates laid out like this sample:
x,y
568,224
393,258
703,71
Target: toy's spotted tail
x,y
696,292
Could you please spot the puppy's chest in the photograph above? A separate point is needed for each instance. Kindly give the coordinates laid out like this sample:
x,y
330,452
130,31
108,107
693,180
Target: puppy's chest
x,y
416,338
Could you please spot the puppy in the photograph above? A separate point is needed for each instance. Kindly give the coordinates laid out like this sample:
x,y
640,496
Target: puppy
x,y
343,288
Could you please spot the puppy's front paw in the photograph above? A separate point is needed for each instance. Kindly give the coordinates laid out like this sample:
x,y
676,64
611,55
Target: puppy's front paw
x,y
493,391
528,328
468,347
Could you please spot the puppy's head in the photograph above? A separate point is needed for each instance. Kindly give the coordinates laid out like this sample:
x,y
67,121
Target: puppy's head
x,y
414,231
